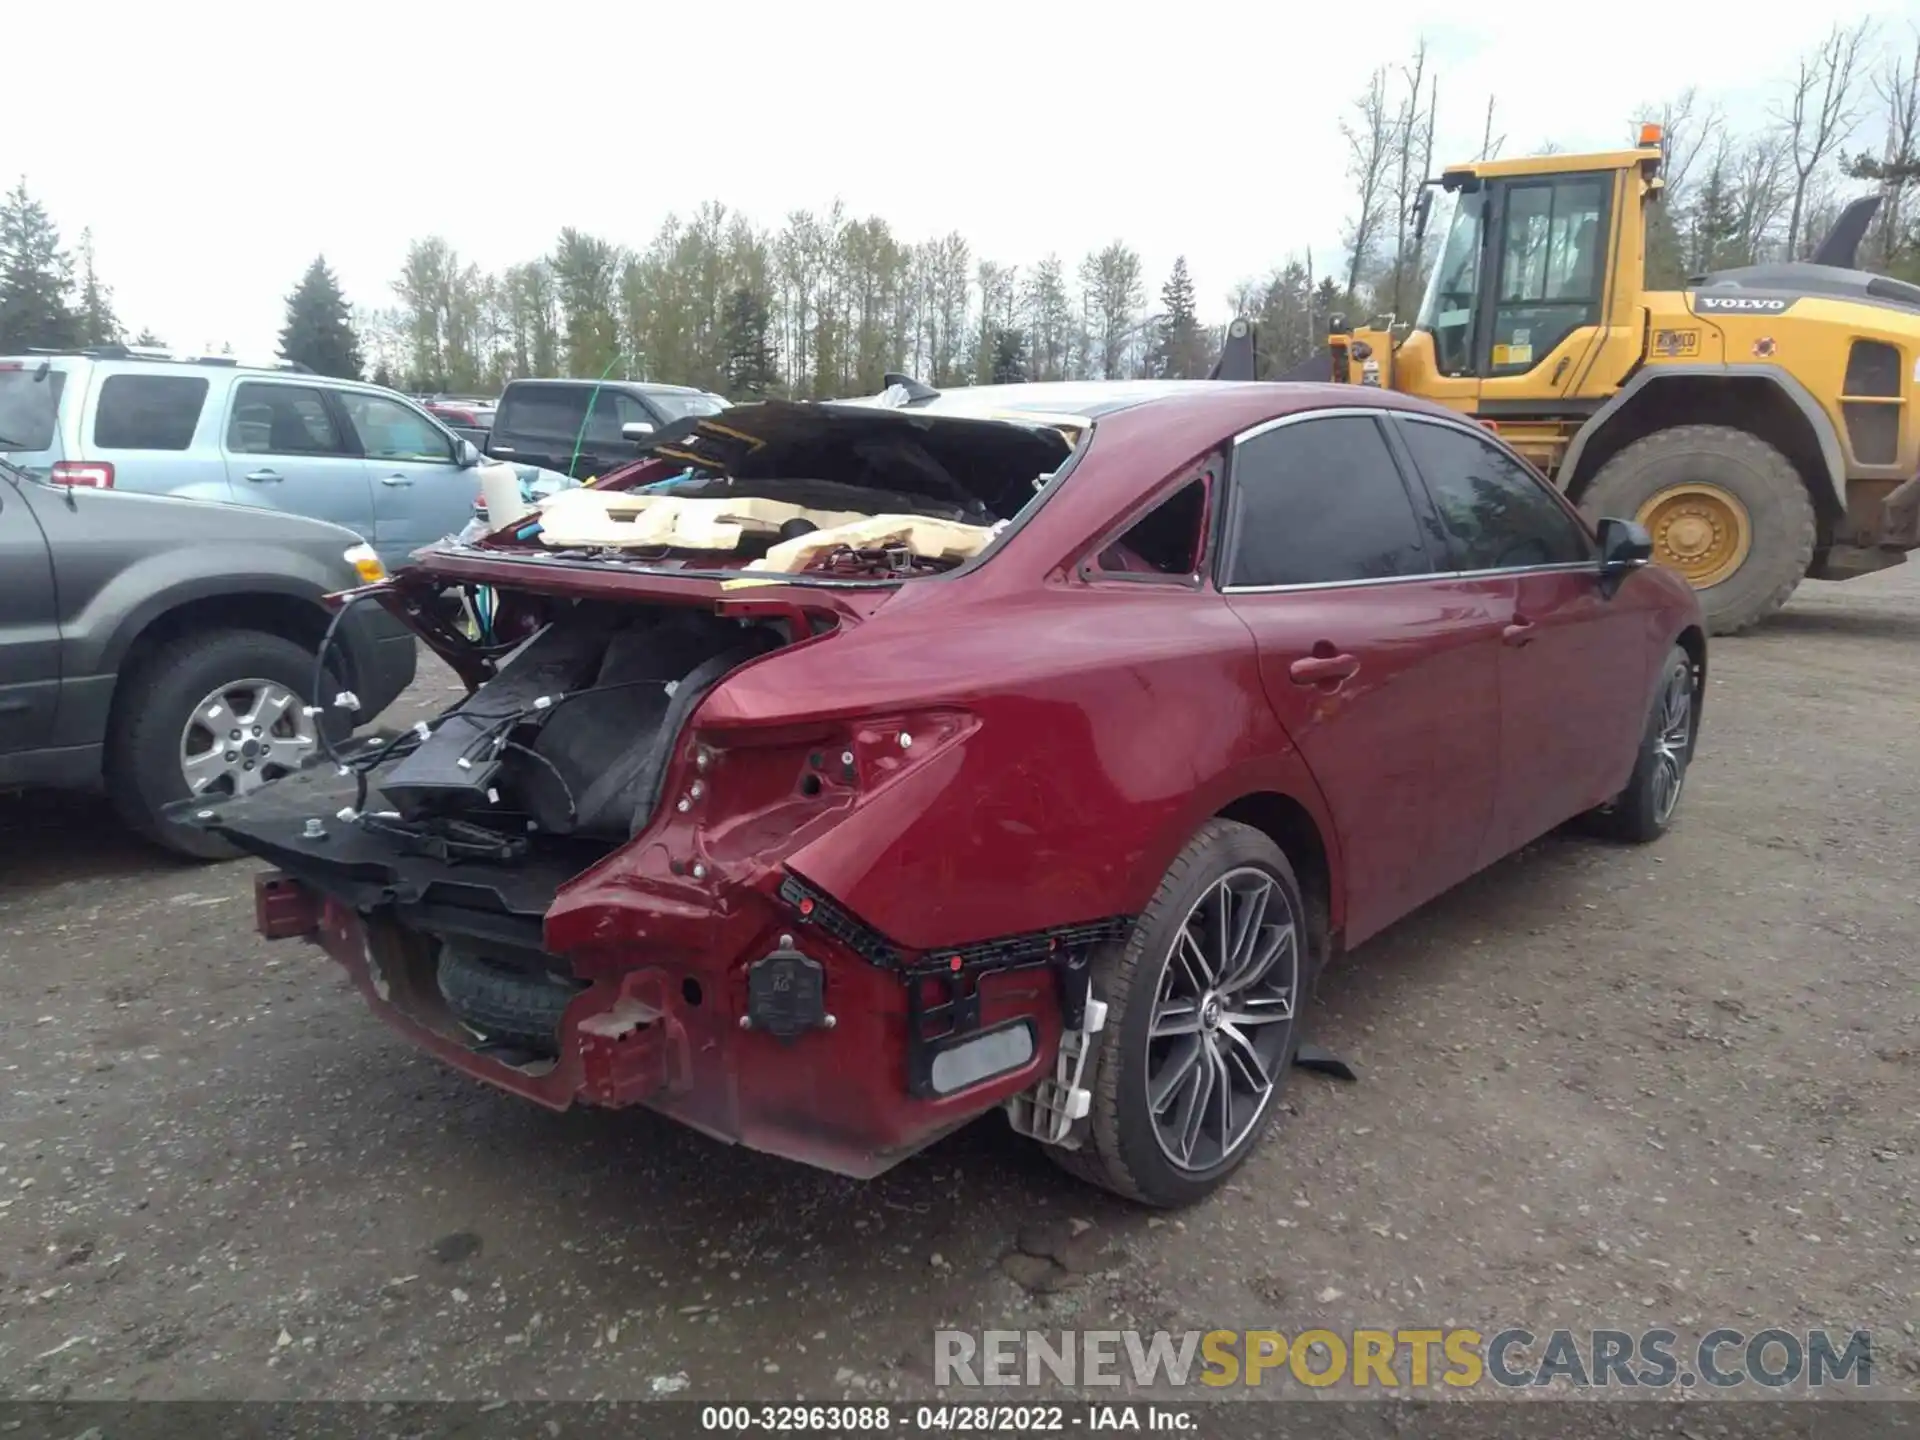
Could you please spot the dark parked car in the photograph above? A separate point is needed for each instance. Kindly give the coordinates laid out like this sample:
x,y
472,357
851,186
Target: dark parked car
x,y
165,648
584,428
1029,746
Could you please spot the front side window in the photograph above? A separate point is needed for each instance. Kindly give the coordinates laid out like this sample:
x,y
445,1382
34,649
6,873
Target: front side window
x,y
1553,237
1496,513
282,420
1321,500
389,430
613,410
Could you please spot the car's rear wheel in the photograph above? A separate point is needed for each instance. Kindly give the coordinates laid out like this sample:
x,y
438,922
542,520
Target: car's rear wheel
x,y
1645,809
1200,1031
214,714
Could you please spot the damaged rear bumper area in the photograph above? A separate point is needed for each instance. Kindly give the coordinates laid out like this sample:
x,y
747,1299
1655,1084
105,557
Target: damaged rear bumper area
x,y
602,912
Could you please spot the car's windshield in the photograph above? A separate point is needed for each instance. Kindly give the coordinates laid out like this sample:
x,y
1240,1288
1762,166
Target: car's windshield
x,y
29,406
679,407
1446,310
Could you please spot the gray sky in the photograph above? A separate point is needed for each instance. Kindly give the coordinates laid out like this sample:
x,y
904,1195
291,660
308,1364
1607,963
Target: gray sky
x,y
214,148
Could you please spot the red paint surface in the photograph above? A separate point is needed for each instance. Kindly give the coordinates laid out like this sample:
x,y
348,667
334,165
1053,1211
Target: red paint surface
x,y
1069,735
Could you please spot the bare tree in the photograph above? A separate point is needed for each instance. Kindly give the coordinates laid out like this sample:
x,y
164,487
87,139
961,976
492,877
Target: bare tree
x,y
1412,159
1685,136
1820,114
1898,164
1763,180
1490,143
1369,136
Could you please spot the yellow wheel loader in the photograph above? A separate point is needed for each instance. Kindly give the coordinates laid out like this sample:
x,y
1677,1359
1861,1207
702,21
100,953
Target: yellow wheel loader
x,y
1755,422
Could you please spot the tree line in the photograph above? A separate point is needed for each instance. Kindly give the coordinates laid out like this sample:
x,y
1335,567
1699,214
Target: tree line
x,y
827,302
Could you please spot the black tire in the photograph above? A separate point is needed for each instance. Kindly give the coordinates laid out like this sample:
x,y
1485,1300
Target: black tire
x,y
508,1006
1756,474
1119,1149
152,706
1639,813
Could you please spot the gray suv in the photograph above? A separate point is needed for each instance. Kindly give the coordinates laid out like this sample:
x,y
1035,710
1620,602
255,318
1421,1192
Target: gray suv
x,y
210,429
166,648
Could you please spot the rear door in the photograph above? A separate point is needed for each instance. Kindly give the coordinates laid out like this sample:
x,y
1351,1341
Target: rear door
x,y
29,625
539,424
421,493
1379,663
1574,673
285,447
153,427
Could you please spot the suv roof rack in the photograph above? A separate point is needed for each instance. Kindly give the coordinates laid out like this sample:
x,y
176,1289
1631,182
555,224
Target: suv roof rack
x,y
117,351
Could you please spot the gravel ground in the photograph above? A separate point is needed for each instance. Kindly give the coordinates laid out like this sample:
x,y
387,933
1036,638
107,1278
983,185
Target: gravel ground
x,y
1599,1087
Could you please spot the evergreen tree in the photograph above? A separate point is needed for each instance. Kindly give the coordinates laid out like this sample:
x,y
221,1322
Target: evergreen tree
x,y
98,324
1009,356
750,363
319,329
1182,348
36,278
147,337
382,375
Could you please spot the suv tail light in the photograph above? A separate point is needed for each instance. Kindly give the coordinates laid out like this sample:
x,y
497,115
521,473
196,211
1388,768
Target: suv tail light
x,y
87,475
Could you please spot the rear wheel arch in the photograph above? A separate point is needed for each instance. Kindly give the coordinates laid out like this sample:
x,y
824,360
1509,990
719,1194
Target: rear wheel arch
x,y
1291,826
1760,400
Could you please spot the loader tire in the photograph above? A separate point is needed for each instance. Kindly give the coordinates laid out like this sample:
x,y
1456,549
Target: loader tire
x,y
1692,479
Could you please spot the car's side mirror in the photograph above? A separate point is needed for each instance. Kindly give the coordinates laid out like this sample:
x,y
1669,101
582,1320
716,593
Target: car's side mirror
x,y
466,454
637,430
1624,546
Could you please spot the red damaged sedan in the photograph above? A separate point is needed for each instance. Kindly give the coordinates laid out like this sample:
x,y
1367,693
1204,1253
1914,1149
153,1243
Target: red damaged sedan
x,y
842,771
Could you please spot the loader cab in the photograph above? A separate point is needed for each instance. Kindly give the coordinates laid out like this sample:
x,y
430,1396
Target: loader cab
x,y
1537,279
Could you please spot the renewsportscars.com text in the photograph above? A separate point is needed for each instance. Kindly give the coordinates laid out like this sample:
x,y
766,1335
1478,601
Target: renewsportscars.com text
x,y
1407,1359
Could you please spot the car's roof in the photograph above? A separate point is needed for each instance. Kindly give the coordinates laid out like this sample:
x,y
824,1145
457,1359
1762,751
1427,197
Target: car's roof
x,y
1091,399
649,386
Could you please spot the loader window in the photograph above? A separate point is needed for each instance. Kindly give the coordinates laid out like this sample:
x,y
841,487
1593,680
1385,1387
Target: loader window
x,y
1553,235
1446,310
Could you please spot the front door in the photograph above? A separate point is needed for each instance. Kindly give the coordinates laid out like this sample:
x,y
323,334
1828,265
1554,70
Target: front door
x,y
286,448
421,492
1568,726
29,626
1380,667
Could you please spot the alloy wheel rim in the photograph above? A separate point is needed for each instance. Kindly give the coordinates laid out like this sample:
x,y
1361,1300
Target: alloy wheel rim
x,y
1222,1020
244,734
1672,743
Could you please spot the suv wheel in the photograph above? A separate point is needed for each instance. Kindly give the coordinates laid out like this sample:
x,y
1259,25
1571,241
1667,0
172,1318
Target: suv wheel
x,y
215,714
1200,1032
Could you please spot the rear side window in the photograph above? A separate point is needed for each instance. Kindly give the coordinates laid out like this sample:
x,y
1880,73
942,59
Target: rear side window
x,y
1163,542
148,412
549,410
282,420
1496,513
29,407
1318,501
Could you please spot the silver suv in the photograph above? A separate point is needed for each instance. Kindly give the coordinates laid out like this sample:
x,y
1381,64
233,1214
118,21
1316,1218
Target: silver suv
x,y
211,429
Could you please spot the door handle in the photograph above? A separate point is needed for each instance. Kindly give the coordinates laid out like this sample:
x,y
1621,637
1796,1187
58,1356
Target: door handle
x,y
1321,669
395,480
1520,632
262,477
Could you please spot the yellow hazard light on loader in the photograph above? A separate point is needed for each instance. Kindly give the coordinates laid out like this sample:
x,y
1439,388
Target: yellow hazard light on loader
x,y
1651,135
